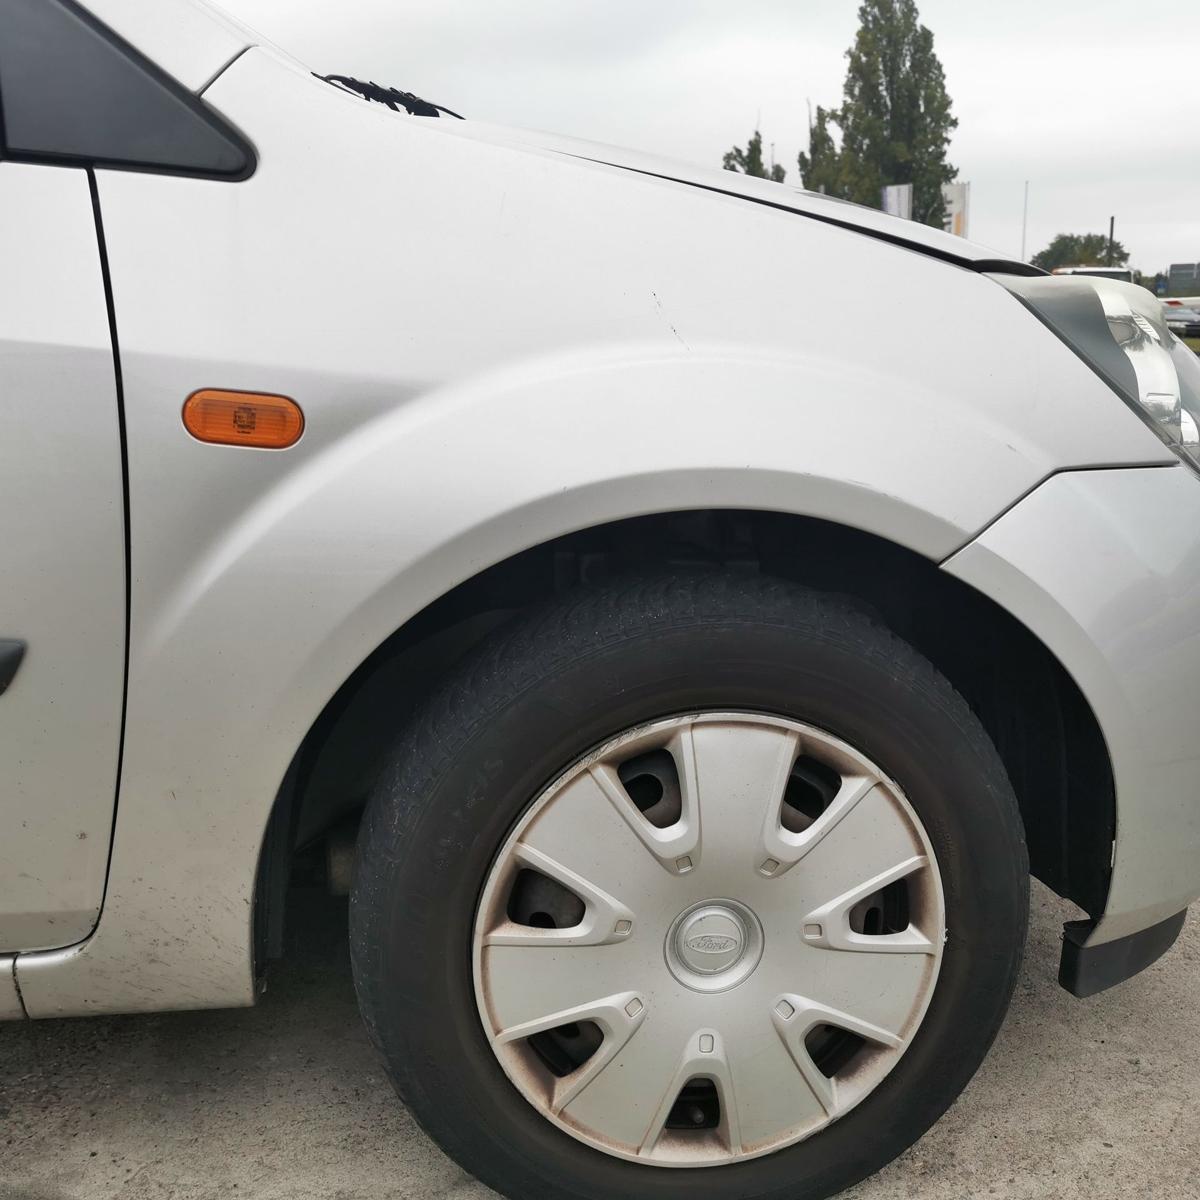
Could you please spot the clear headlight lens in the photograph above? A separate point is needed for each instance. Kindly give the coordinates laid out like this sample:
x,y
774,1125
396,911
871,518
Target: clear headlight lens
x,y
1120,331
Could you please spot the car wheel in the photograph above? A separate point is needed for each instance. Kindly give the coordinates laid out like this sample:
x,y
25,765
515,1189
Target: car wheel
x,y
699,885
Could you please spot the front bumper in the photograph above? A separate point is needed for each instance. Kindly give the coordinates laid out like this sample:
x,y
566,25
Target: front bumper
x,y
1086,970
1104,567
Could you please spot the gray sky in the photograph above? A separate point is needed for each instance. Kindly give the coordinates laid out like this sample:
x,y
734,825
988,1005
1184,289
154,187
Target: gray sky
x,y
1095,102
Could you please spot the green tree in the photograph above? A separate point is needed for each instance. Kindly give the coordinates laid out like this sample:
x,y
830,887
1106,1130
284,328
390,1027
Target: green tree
x,y
1080,250
821,167
895,119
750,161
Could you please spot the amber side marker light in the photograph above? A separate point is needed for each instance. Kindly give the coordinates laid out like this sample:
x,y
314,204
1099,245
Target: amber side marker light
x,y
243,419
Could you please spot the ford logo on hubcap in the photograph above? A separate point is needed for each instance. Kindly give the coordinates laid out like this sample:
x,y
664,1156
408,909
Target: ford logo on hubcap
x,y
712,943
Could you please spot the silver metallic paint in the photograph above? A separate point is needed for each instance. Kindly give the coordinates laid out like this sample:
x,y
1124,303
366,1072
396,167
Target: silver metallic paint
x,y
62,560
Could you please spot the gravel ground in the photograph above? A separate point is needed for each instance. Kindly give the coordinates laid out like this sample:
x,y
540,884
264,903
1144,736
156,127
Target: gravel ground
x,y
1094,1099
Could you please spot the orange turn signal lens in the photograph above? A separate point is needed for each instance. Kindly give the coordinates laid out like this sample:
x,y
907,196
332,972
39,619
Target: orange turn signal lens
x,y
243,419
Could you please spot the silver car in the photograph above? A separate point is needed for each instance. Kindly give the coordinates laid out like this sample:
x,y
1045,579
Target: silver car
x,y
708,679
1182,320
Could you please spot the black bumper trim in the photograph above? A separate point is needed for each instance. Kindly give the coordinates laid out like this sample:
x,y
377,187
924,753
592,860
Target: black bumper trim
x,y
1086,970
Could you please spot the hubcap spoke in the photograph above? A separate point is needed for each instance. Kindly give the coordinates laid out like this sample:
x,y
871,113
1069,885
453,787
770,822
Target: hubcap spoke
x,y
618,1018
584,833
782,849
677,846
765,1080
873,844
741,773
883,990
528,985
623,1099
605,919
703,1057
829,925
795,1017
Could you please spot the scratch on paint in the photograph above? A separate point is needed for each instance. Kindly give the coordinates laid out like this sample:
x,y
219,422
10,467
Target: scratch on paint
x,y
672,328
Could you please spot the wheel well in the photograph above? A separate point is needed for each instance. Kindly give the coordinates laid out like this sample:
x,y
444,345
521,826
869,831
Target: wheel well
x,y
1041,724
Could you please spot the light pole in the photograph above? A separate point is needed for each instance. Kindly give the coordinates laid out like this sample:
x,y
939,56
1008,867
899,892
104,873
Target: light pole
x,y
1025,220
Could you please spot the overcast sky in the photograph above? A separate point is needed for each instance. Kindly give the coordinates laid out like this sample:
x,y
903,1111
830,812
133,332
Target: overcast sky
x,y
1095,102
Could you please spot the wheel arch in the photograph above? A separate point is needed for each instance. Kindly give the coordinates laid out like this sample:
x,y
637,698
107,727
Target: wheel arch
x,y
1043,726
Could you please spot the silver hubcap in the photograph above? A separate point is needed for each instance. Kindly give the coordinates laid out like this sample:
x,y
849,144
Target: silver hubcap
x,y
708,939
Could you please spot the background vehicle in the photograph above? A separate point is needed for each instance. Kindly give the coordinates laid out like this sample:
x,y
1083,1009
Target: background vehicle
x,y
712,679
1122,274
1182,319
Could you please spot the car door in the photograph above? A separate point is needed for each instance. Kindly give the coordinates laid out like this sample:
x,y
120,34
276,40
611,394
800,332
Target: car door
x,y
74,96
62,560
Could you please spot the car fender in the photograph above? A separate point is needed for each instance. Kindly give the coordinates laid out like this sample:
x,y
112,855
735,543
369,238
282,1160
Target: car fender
x,y
249,643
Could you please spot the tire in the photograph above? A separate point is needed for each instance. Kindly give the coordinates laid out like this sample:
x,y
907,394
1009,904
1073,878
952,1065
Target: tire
x,y
565,679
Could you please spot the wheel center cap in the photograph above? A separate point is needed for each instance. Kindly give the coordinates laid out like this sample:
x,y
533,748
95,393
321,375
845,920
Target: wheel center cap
x,y
714,945
710,940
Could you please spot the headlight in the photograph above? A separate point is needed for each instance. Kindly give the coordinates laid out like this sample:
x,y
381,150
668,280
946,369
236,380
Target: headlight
x,y
1120,332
